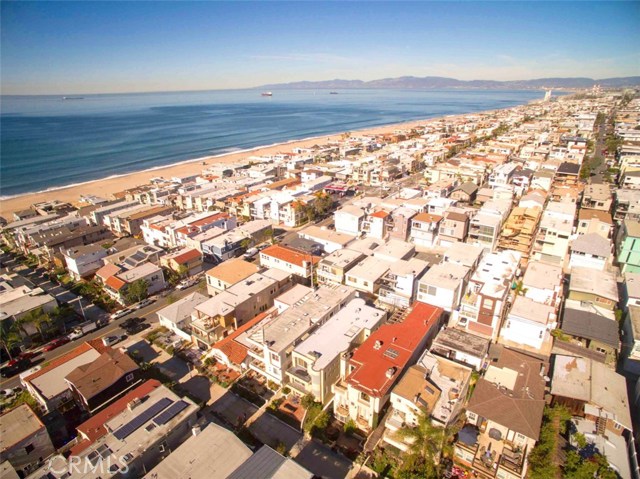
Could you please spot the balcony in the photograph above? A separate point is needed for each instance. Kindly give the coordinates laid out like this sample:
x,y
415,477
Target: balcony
x,y
395,420
258,366
470,299
299,373
512,460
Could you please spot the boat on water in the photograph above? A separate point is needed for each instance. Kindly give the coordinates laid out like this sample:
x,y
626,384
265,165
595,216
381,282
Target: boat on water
x,y
73,98
333,93
266,93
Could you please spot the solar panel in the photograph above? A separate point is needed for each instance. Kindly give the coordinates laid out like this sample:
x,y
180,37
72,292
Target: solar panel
x,y
136,422
167,415
392,353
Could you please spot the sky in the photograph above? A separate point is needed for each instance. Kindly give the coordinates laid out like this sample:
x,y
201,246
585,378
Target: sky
x,y
51,47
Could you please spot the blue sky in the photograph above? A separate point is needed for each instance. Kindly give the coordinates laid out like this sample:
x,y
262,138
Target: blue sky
x,y
88,47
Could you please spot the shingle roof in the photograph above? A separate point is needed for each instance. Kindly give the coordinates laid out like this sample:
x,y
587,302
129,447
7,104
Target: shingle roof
x,y
585,324
593,244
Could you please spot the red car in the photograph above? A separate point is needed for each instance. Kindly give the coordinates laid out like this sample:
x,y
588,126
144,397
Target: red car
x,y
56,343
26,356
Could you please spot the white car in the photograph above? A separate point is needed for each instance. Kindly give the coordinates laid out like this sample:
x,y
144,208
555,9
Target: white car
x,y
121,313
144,303
109,340
187,283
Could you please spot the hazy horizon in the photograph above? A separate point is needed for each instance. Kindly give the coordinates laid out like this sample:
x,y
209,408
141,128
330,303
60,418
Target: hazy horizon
x,y
138,47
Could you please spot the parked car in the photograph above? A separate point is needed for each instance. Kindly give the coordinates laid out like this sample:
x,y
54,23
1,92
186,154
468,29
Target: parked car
x,y
144,303
109,340
56,343
186,283
136,328
17,366
121,313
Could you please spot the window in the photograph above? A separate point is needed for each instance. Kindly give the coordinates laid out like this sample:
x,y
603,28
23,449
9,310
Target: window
x,y
29,448
364,396
129,377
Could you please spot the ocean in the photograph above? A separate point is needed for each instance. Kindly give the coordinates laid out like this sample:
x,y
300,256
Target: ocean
x,y
48,142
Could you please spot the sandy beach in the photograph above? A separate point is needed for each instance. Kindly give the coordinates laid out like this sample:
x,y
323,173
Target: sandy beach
x,y
108,186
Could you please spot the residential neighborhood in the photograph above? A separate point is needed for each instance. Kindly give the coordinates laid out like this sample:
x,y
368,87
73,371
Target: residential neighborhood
x,y
455,300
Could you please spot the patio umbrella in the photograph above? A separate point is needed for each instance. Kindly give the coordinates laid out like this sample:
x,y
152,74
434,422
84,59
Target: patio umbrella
x,y
468,435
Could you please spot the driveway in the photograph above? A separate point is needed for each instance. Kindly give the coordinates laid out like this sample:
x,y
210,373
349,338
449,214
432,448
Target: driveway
x,y
323,462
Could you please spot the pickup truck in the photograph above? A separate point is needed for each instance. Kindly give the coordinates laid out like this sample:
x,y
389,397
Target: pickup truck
x,y
82,329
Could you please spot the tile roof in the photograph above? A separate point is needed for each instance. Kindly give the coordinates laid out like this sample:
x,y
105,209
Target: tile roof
x,y
93,428
427,218
380,214
289,255
187,256
107,271
74,353
115,283
235,351
381,359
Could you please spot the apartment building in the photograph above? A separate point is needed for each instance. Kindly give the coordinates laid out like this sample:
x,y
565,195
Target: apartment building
x,y
454,227
595,221
332,269
485,226
590,251
369,374
271,342
117,284
348,220
443,286
297,263
84,261
218,316
556,226
400,283
316,360
367,275
424,229
226,274
483,305
597,197
528,327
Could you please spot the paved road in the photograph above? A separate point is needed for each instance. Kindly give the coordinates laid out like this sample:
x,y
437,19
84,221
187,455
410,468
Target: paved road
x,y
112,328
598,177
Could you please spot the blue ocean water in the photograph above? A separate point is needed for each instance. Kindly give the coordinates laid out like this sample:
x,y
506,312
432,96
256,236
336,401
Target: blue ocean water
x,y
48,142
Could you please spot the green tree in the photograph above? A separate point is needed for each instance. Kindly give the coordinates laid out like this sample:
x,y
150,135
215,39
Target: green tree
x,y
8,340
39,319
426,441
136,291
182,271
245,244
575,467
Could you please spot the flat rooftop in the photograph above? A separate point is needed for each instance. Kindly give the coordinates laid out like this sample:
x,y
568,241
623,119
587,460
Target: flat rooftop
x,y
339,332
370,269
591,281
445,275
456,339
16,425
280,332
52,382
341,258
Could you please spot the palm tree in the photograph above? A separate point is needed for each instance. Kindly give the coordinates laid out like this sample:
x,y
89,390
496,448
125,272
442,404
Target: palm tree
x,y
425,443
9,339
39,319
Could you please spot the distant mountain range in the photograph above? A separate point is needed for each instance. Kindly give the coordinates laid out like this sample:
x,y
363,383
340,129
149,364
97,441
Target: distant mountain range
x,y
410,82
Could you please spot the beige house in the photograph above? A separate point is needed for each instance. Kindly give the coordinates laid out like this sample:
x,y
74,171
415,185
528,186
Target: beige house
x,y
228,273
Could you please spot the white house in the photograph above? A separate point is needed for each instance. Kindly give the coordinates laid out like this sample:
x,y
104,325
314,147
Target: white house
x,y
348,220
443,286
528,326
83,261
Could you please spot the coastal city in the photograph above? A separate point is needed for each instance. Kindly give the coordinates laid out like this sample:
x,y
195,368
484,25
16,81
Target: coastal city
x,y
454,298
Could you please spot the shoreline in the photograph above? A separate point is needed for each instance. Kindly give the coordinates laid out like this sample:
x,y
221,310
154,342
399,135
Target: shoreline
x,y
107,186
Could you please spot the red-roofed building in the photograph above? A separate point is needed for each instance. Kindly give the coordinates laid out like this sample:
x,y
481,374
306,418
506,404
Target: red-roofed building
x,y
289,260
368,375
233,353
186,261
93,429
377,225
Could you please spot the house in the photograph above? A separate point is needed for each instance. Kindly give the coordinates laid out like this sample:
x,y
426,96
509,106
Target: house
x,y
484,229
348,220
84,261
583,326
18,302
95,428
568,171
461,346
597,196
218,316
424,229
465,193
627,205
176,317
330,240
628,246
504,416
138,437
333,268
117,285
528,327
590,251
226,274
443,286
24,440
401,222
270,343
631,341
542,282
316,360
367,275
435,386
301,265
186,261
597,398
596,287
377,224
214,451
483,305
453,228
48,385
502,174
554,232
463,254
368,375
399,284
595,221
94,385
542,179
631,290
